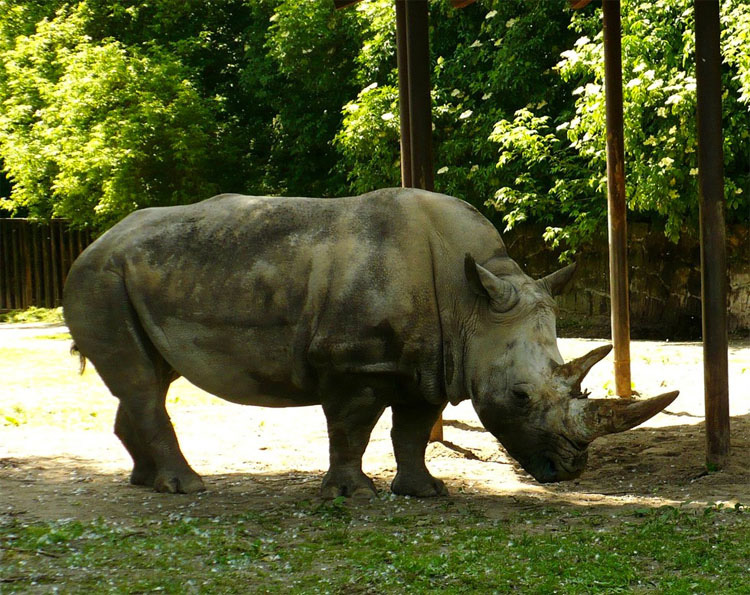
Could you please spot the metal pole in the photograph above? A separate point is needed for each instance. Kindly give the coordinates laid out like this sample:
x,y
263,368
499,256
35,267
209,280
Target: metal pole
x,y
420,103
403,93
713,231
618,231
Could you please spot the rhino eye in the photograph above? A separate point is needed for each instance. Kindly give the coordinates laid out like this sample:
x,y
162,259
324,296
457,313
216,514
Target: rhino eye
x,y
521,392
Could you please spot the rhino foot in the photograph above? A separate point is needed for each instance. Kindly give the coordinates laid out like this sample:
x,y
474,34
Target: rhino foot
x,y
177,483
143,475
351,484
422,485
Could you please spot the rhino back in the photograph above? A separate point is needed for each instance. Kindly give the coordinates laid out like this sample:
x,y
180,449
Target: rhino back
x,y
256,299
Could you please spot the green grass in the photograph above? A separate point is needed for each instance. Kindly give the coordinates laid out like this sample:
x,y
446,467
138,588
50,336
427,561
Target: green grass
x,y
50,315
333,548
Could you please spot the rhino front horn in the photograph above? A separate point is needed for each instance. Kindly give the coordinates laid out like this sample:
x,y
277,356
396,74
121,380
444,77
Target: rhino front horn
x,y
599,417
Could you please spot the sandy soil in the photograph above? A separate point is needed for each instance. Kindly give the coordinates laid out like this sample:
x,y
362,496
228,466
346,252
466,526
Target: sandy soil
x,y
252,458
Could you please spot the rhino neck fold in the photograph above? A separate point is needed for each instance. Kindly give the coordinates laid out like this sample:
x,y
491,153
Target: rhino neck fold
x,y
453,372
453,349
451,366
456,228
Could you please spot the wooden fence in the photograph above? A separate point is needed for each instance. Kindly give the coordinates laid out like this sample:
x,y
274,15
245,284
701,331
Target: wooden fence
x,y
34,261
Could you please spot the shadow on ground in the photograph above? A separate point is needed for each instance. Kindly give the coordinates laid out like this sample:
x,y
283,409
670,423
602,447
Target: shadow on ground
x,y
643,467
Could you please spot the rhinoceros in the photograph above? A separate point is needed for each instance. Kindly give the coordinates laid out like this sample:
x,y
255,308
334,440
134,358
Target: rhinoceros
x,y
398,298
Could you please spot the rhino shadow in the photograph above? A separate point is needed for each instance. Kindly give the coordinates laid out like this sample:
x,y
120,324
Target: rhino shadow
x,y
642,467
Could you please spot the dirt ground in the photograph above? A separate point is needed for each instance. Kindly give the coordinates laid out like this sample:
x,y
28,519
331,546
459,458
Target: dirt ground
x,y
252,458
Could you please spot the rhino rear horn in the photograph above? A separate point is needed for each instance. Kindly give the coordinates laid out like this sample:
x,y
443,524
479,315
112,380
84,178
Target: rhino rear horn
x,y
554,283
573,372
501,293
599,417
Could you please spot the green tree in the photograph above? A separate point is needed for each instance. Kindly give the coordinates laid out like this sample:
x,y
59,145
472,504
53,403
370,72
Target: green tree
x,y
98,128
660,126
313,48
108,107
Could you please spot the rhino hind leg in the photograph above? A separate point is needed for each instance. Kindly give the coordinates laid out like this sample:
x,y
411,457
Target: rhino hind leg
x,y
108,332
350,423
144,467
145,429
409,434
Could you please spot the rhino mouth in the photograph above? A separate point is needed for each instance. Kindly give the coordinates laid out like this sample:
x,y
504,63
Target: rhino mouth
x,y
550,467
547,457
546,471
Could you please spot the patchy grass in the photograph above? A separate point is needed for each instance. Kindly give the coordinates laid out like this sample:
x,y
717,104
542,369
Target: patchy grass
x,y
62,398
50,315
55,337
334,548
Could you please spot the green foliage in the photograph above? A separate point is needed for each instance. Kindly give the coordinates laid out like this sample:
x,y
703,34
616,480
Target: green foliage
x,y
369,139
658,49
49,315
92,130
313,48
111,107
549,181
487,63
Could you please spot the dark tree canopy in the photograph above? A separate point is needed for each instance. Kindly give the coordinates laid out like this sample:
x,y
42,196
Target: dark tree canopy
x,y
108,107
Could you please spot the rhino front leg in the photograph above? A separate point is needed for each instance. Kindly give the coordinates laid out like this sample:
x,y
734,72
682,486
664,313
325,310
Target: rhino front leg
x,y
410,433
350,423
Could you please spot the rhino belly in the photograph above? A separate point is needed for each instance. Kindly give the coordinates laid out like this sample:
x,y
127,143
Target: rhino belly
x,y
249,366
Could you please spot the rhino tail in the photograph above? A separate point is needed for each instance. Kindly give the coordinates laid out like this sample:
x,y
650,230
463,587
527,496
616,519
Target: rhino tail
x,y
82,360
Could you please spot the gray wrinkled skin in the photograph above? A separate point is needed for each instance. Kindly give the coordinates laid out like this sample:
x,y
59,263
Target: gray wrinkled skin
x,y
355,304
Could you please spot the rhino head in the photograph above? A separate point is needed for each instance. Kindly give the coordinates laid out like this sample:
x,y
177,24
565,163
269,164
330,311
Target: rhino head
x,y
523,392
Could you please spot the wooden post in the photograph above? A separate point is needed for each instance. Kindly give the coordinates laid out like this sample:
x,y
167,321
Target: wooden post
x,y
15,247
47,267
403,93
420,112
413,46
5,291
54,268
617,212
420,102
27,297
713,231
37,264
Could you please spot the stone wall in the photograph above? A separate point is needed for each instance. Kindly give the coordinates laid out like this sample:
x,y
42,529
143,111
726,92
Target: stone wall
x,y
665,282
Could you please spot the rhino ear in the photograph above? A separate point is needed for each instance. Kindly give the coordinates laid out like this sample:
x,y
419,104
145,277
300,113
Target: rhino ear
x,y
501,293
554,283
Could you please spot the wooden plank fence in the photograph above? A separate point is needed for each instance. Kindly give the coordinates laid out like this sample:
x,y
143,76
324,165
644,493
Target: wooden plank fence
x,y
34,261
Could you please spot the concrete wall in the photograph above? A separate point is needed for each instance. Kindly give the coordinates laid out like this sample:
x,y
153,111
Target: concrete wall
x,y
665,283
